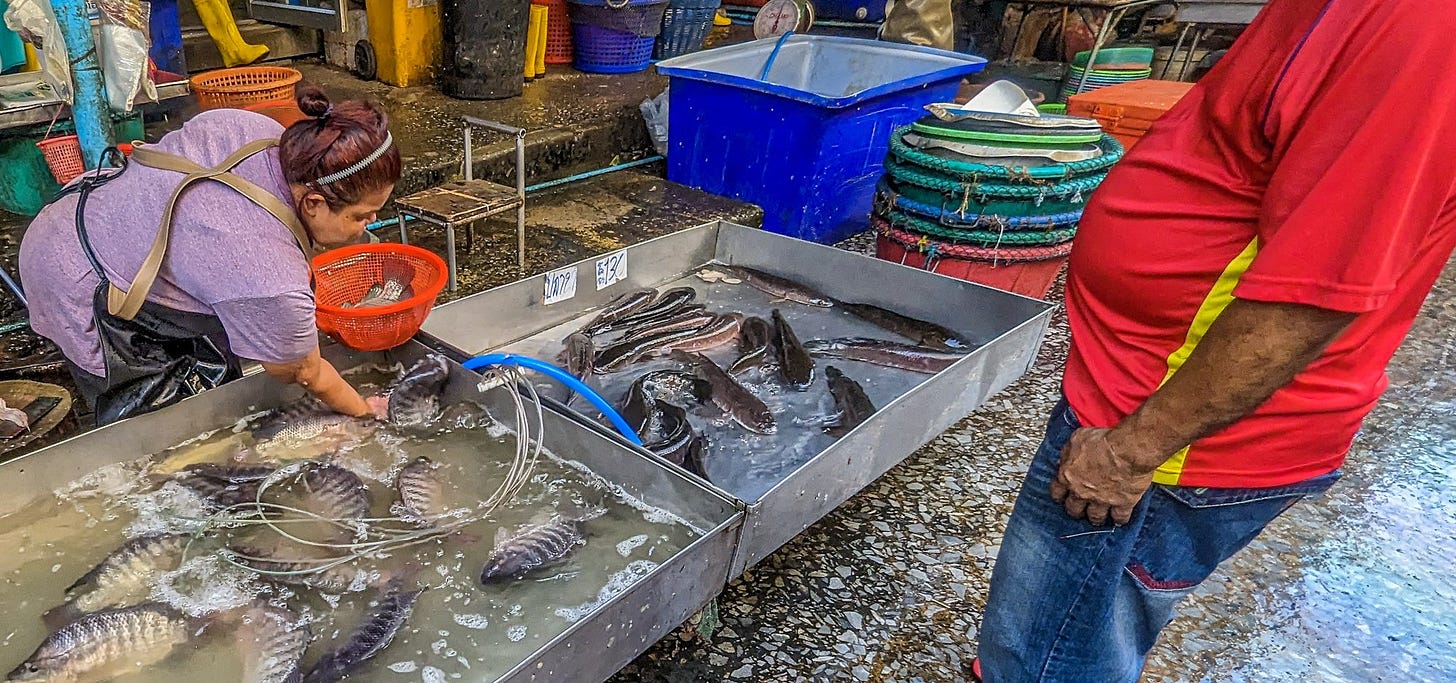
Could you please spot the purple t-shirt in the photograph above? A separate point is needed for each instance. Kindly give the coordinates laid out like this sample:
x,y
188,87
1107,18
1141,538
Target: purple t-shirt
x,y
227,257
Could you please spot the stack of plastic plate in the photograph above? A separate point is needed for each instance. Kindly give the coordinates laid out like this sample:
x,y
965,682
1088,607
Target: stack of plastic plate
x,y
1115,65
988,196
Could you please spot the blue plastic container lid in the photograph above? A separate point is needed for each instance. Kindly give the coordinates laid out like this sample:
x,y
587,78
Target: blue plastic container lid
x,y
825,71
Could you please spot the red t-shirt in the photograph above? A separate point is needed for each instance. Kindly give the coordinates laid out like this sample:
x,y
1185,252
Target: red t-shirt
x,y
1315,164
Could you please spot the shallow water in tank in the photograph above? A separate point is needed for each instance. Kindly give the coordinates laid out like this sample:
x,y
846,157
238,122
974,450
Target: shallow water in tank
x,y
741,462
458,630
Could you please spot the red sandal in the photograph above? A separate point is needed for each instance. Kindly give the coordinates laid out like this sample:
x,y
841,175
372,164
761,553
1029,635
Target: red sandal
x,y
976,670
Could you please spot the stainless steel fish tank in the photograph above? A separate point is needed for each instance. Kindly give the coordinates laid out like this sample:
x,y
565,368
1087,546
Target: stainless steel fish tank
x,y
622,618
788,481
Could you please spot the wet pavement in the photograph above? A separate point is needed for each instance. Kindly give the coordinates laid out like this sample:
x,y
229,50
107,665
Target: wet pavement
x,y
890,586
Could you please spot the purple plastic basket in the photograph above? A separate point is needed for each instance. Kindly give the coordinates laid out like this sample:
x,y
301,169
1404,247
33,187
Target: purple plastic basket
x,y
605,51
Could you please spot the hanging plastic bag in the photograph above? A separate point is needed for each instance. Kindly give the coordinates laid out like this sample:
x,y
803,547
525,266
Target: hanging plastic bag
x,y
123,46
654,112
36,24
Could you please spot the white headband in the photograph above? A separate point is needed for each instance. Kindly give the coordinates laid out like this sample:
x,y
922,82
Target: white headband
x,y
359,165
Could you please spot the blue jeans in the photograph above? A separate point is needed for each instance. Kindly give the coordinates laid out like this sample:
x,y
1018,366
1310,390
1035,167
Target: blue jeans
x,y
1071,601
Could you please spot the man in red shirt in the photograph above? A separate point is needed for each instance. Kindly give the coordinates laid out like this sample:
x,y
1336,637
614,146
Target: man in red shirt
x,y
1239,284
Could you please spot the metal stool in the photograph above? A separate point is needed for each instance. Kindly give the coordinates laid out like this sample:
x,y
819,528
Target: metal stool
x,y
463,202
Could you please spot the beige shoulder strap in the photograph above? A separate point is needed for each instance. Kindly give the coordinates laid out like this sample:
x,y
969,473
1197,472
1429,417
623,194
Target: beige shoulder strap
x,y
125,304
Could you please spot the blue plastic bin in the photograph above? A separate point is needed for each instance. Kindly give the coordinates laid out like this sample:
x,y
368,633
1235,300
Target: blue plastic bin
x,y
808,143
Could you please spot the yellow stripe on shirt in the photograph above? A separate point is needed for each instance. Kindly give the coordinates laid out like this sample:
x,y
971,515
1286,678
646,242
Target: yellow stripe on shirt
x,y
1213,306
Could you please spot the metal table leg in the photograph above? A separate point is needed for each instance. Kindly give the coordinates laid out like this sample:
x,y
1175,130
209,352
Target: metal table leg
x,y
1174,54
1113,16
450,252
403,232
1192,48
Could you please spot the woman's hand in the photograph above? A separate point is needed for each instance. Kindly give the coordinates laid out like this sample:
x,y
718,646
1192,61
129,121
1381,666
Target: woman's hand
x,y
380,406
320,378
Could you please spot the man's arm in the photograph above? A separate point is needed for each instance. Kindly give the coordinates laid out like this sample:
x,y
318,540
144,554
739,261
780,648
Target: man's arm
x,y
1252,350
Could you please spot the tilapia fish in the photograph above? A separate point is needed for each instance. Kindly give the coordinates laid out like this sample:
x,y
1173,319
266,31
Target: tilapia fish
x,y
885,353
415,400
271,641
665,305
124,577
850,400
224,485
781,288
306,429
721,331
731,397
421,492
392,289
795,365
754,338
386,616
533,546
107,644
625,305
923,332
334,493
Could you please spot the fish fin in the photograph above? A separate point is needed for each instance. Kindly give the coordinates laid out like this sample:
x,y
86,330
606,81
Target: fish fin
x,y
59,616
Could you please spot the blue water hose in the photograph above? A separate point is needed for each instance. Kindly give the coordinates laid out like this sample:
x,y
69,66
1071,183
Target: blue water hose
x,y
773,56
563,377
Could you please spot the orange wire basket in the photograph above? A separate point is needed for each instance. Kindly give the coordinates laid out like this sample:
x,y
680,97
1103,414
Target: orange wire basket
x,y
244,85
343,276
63,156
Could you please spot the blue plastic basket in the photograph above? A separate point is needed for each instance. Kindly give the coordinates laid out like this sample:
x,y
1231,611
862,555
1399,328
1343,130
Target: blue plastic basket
x,y
613,38
604,51
685,26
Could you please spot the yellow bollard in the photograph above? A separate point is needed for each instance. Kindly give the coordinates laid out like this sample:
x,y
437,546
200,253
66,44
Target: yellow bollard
x,y
531,38
541,28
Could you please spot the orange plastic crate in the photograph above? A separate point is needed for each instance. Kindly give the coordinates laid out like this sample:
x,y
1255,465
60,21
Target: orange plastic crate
x,y
1128,110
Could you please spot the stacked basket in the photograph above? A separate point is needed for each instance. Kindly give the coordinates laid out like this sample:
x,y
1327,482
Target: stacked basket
x,y
980,209
1115,66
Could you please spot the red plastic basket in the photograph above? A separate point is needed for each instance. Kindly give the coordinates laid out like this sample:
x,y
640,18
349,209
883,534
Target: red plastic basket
x,y
342,276
63,156
558,31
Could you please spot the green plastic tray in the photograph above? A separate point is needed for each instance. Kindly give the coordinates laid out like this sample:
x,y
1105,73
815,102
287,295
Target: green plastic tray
x,y
970,171
1043,139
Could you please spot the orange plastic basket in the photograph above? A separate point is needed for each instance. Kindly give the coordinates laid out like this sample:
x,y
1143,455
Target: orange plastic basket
x,y
244,85
63,156
558,31
342,276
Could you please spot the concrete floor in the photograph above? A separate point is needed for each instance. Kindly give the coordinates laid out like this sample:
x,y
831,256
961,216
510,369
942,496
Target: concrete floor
x,y
890,586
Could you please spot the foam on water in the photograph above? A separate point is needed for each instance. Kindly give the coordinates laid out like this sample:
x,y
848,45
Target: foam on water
x,y
403,667
626,547
170,509
617,583
430,674
206,585
472,621
516,633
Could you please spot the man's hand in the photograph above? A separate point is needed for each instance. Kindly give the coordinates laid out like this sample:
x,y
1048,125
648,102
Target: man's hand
x,y
1097,482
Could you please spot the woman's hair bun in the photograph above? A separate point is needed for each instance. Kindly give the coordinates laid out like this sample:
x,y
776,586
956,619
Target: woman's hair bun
x,y
312,101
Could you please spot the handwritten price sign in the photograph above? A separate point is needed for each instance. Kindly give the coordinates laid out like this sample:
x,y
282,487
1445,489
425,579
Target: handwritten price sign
x,y
611,269
560,285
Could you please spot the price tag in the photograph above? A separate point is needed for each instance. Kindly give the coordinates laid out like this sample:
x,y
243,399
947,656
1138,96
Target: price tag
x,y
560,285
611,269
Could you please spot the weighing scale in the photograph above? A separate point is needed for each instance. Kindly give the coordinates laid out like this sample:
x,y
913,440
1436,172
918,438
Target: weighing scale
x,y
778,17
